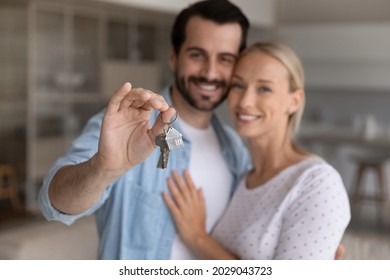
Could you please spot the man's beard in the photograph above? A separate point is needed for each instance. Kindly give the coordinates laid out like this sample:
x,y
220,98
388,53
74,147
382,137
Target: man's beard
x,y
181,87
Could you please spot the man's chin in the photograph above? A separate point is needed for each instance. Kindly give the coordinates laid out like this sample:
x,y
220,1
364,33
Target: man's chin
x,y
209,107
205,109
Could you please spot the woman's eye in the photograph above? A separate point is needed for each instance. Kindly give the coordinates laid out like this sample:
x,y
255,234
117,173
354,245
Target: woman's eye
x,y
236,86
264,89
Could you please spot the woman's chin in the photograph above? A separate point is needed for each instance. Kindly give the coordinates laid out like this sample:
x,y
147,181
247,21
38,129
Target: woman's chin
x,y
245,133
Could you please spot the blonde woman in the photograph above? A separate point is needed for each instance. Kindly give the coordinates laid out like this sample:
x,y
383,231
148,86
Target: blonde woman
x,y
292,204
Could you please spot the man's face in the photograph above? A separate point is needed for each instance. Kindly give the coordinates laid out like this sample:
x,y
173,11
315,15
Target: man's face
x,y
205,62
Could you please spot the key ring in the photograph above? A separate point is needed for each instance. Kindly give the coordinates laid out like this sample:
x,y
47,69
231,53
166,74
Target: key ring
x,y
175,119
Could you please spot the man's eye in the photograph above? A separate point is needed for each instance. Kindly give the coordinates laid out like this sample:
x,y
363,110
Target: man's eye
x,y
227,60
196,55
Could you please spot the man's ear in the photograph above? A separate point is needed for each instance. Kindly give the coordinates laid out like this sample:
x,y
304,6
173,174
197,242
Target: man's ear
x,y
297,98
172,60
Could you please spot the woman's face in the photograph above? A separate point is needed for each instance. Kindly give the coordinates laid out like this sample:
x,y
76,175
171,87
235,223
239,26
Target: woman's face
x,y
260,100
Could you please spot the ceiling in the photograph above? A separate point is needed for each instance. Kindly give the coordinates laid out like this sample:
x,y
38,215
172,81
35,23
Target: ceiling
x,y
332,11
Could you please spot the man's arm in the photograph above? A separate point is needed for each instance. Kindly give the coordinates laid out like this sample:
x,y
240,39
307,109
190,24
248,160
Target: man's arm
x,y
125,141
76,188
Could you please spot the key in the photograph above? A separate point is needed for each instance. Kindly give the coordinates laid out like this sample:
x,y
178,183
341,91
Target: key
x,y
168,140
164,150
173,138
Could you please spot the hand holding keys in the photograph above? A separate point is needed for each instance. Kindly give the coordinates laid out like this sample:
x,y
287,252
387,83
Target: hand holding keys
x,y
170,139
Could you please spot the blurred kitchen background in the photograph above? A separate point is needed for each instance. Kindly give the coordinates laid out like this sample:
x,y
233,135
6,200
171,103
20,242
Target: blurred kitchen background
x,y
61,59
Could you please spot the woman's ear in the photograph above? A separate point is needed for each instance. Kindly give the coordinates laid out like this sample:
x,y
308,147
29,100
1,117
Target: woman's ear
x,y
297,98
172,60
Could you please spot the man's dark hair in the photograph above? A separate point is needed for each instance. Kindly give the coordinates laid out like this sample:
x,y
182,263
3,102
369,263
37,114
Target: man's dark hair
x,y
218,11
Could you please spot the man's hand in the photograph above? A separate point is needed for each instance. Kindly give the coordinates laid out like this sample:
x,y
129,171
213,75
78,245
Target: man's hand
x,y
126,137
126,140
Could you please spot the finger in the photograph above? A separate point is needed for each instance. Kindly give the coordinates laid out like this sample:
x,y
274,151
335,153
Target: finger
x,y
189,182
176,194
201,201
161,121
135,96
117,97
142,104
145,99
156,101
175,212
192,189
182,186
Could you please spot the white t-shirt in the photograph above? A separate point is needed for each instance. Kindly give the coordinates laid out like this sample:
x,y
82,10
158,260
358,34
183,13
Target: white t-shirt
x,y
209,171
301,213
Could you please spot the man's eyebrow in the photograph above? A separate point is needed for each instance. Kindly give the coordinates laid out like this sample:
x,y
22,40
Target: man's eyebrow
x,y
195,49
234,56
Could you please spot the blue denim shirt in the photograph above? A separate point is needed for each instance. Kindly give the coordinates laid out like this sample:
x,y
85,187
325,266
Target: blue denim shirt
x,y
132,219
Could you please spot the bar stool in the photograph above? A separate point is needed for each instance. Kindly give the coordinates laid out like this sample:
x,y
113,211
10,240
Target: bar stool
x,y
9,187
375,163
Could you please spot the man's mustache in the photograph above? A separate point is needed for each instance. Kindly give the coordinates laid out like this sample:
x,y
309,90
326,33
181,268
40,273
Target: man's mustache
x,y
218,83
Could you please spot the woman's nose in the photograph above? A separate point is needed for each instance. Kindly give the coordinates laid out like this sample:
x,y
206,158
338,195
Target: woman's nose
x,y
246,99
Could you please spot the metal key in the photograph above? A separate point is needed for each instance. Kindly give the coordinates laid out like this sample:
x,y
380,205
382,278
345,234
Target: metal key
x,y
173,138
164,150
168,140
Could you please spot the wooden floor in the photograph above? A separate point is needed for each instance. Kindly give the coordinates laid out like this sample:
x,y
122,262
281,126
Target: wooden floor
x,y
364,238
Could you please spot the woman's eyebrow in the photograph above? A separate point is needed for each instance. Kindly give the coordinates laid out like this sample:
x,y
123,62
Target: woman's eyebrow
x,y
265,81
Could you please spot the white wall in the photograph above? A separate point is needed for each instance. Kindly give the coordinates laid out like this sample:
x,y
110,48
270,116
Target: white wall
x,y
347,68
342,55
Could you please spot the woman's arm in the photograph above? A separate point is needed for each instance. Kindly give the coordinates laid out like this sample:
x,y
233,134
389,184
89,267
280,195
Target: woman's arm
x,y
187,207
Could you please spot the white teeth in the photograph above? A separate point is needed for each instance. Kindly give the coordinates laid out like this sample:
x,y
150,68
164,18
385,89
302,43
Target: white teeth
x,y
208,87
247,117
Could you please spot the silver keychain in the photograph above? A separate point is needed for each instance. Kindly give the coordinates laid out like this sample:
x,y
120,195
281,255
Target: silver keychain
x,y
168,140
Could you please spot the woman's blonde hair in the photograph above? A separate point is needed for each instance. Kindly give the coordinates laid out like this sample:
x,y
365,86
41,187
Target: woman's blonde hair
x,y
293,64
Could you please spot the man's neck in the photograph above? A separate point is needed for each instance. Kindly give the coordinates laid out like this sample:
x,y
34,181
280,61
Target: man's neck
x,y
192,116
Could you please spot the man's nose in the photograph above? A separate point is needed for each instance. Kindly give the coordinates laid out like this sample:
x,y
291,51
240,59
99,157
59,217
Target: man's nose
x,y
211,70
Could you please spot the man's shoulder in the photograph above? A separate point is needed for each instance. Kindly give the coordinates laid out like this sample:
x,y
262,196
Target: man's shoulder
x,y
226,130
230,131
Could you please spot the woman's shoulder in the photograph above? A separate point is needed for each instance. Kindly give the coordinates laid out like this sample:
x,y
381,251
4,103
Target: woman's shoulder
x,y
314,168
313,162
318,181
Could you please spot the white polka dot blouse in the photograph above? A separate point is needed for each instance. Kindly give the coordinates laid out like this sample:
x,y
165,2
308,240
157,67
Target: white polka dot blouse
x,y
301,213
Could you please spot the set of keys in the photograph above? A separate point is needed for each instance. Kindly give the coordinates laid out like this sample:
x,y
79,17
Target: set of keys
x,y
168,140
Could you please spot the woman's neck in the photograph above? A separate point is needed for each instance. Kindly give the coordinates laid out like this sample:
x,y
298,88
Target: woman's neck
x,y
270,157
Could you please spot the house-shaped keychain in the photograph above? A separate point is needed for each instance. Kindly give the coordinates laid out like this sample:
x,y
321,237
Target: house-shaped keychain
x,y
173,139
